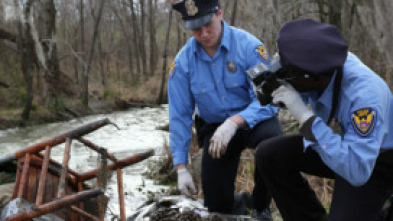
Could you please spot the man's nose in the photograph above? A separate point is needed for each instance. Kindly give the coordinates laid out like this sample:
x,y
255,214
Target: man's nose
x,y
204,31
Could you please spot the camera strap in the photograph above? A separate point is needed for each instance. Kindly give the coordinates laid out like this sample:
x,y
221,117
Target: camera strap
x,y
336,93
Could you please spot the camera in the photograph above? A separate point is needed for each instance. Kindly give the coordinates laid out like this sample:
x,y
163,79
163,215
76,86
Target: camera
x,y
266,79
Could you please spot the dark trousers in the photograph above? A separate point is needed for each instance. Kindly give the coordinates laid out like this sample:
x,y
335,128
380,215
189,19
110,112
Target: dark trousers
x,y
281,159
218,175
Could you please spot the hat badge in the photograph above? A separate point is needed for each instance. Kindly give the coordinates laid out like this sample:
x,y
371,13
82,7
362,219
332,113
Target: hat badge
x,y
191,7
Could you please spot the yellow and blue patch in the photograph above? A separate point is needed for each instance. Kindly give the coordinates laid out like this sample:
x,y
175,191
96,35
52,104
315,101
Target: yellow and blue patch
x,y
363,121
172,68
262,53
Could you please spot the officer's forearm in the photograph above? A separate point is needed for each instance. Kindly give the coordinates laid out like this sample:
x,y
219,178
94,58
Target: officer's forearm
x,y
179,166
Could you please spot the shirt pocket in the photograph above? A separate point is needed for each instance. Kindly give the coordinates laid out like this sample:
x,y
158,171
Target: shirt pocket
x,y
201,86
237,88
236,80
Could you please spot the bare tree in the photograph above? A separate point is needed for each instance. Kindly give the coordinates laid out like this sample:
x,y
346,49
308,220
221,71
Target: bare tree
x,y
152,36
126,39
25,48
49,61
82,39
142,46
88,66
165,56
234,10
136,38
99,48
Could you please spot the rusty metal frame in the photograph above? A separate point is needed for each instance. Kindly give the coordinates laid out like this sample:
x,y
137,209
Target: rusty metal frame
x,y
71,201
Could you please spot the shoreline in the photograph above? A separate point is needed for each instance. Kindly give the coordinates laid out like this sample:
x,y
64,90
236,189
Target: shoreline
x,y
11,118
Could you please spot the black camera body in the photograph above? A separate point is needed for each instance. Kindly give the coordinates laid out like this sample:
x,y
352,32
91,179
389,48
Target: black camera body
x,y
266,79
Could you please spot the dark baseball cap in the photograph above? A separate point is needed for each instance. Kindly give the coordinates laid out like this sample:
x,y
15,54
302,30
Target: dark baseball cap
x,y
311,46
196,13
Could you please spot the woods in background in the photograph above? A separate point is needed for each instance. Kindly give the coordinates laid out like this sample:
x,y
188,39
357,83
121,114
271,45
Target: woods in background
x,y
56,50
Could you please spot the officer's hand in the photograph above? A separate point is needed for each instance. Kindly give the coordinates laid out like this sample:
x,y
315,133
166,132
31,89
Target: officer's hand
x,y
221,138
287,95
184,182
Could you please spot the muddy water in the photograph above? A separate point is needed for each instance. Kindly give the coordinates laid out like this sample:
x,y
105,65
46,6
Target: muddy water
x,y
138,133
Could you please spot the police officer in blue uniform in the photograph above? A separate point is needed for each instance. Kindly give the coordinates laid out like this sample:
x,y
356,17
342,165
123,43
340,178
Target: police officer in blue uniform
x,y
208,74
346,136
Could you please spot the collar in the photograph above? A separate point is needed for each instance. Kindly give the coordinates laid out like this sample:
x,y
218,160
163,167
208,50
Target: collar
x,y
225,39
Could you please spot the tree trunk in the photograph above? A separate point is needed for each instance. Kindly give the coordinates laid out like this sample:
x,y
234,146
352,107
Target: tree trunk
x,y
142,39
82,39
127,40
75,63
179,38
50,64
25,48
153,45
234,10
136,38
161,95
101,60
91,52
99,48
335,10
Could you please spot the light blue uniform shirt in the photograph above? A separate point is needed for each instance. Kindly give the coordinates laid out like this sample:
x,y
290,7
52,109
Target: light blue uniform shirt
x,y
353,154
218,86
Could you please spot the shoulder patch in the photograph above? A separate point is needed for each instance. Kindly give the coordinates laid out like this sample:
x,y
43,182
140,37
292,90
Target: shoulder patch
x,y
172,68
262,53
363,121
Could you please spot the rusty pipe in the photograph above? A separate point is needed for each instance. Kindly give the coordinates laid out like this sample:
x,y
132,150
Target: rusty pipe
x,y
35,148
119,165
55,205
98,149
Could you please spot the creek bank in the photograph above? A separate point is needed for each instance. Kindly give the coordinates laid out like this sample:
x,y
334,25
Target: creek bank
x,y
11,118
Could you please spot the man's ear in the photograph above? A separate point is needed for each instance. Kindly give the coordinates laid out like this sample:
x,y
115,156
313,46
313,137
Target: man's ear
x,y
219,12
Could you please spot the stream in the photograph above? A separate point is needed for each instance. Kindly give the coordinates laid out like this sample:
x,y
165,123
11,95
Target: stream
x,y
138,133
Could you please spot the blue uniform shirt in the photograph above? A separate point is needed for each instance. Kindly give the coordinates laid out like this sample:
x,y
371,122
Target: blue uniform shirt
x,y
217,86
365,111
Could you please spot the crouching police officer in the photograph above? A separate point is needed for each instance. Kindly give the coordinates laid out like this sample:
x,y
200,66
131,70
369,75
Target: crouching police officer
x,y
357,152
209,72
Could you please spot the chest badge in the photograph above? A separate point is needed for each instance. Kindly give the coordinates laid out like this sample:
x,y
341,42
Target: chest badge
x,y
363,121
231,66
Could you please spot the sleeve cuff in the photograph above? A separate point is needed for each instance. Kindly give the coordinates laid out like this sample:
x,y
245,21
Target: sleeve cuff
x,y
306,129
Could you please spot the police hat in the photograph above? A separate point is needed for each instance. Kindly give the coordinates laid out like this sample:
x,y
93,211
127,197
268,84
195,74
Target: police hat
x,y
311,46
196,13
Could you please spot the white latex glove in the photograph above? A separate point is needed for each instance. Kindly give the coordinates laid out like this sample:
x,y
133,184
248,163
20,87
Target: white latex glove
x,y
185,182
287,95
221,138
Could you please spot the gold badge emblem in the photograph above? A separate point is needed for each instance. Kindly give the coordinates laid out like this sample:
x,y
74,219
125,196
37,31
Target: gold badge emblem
x,y
231,66
262,52
363,121
172,68
191,7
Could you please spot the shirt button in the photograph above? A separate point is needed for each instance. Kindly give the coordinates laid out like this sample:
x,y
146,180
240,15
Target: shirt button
x,y
203,90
